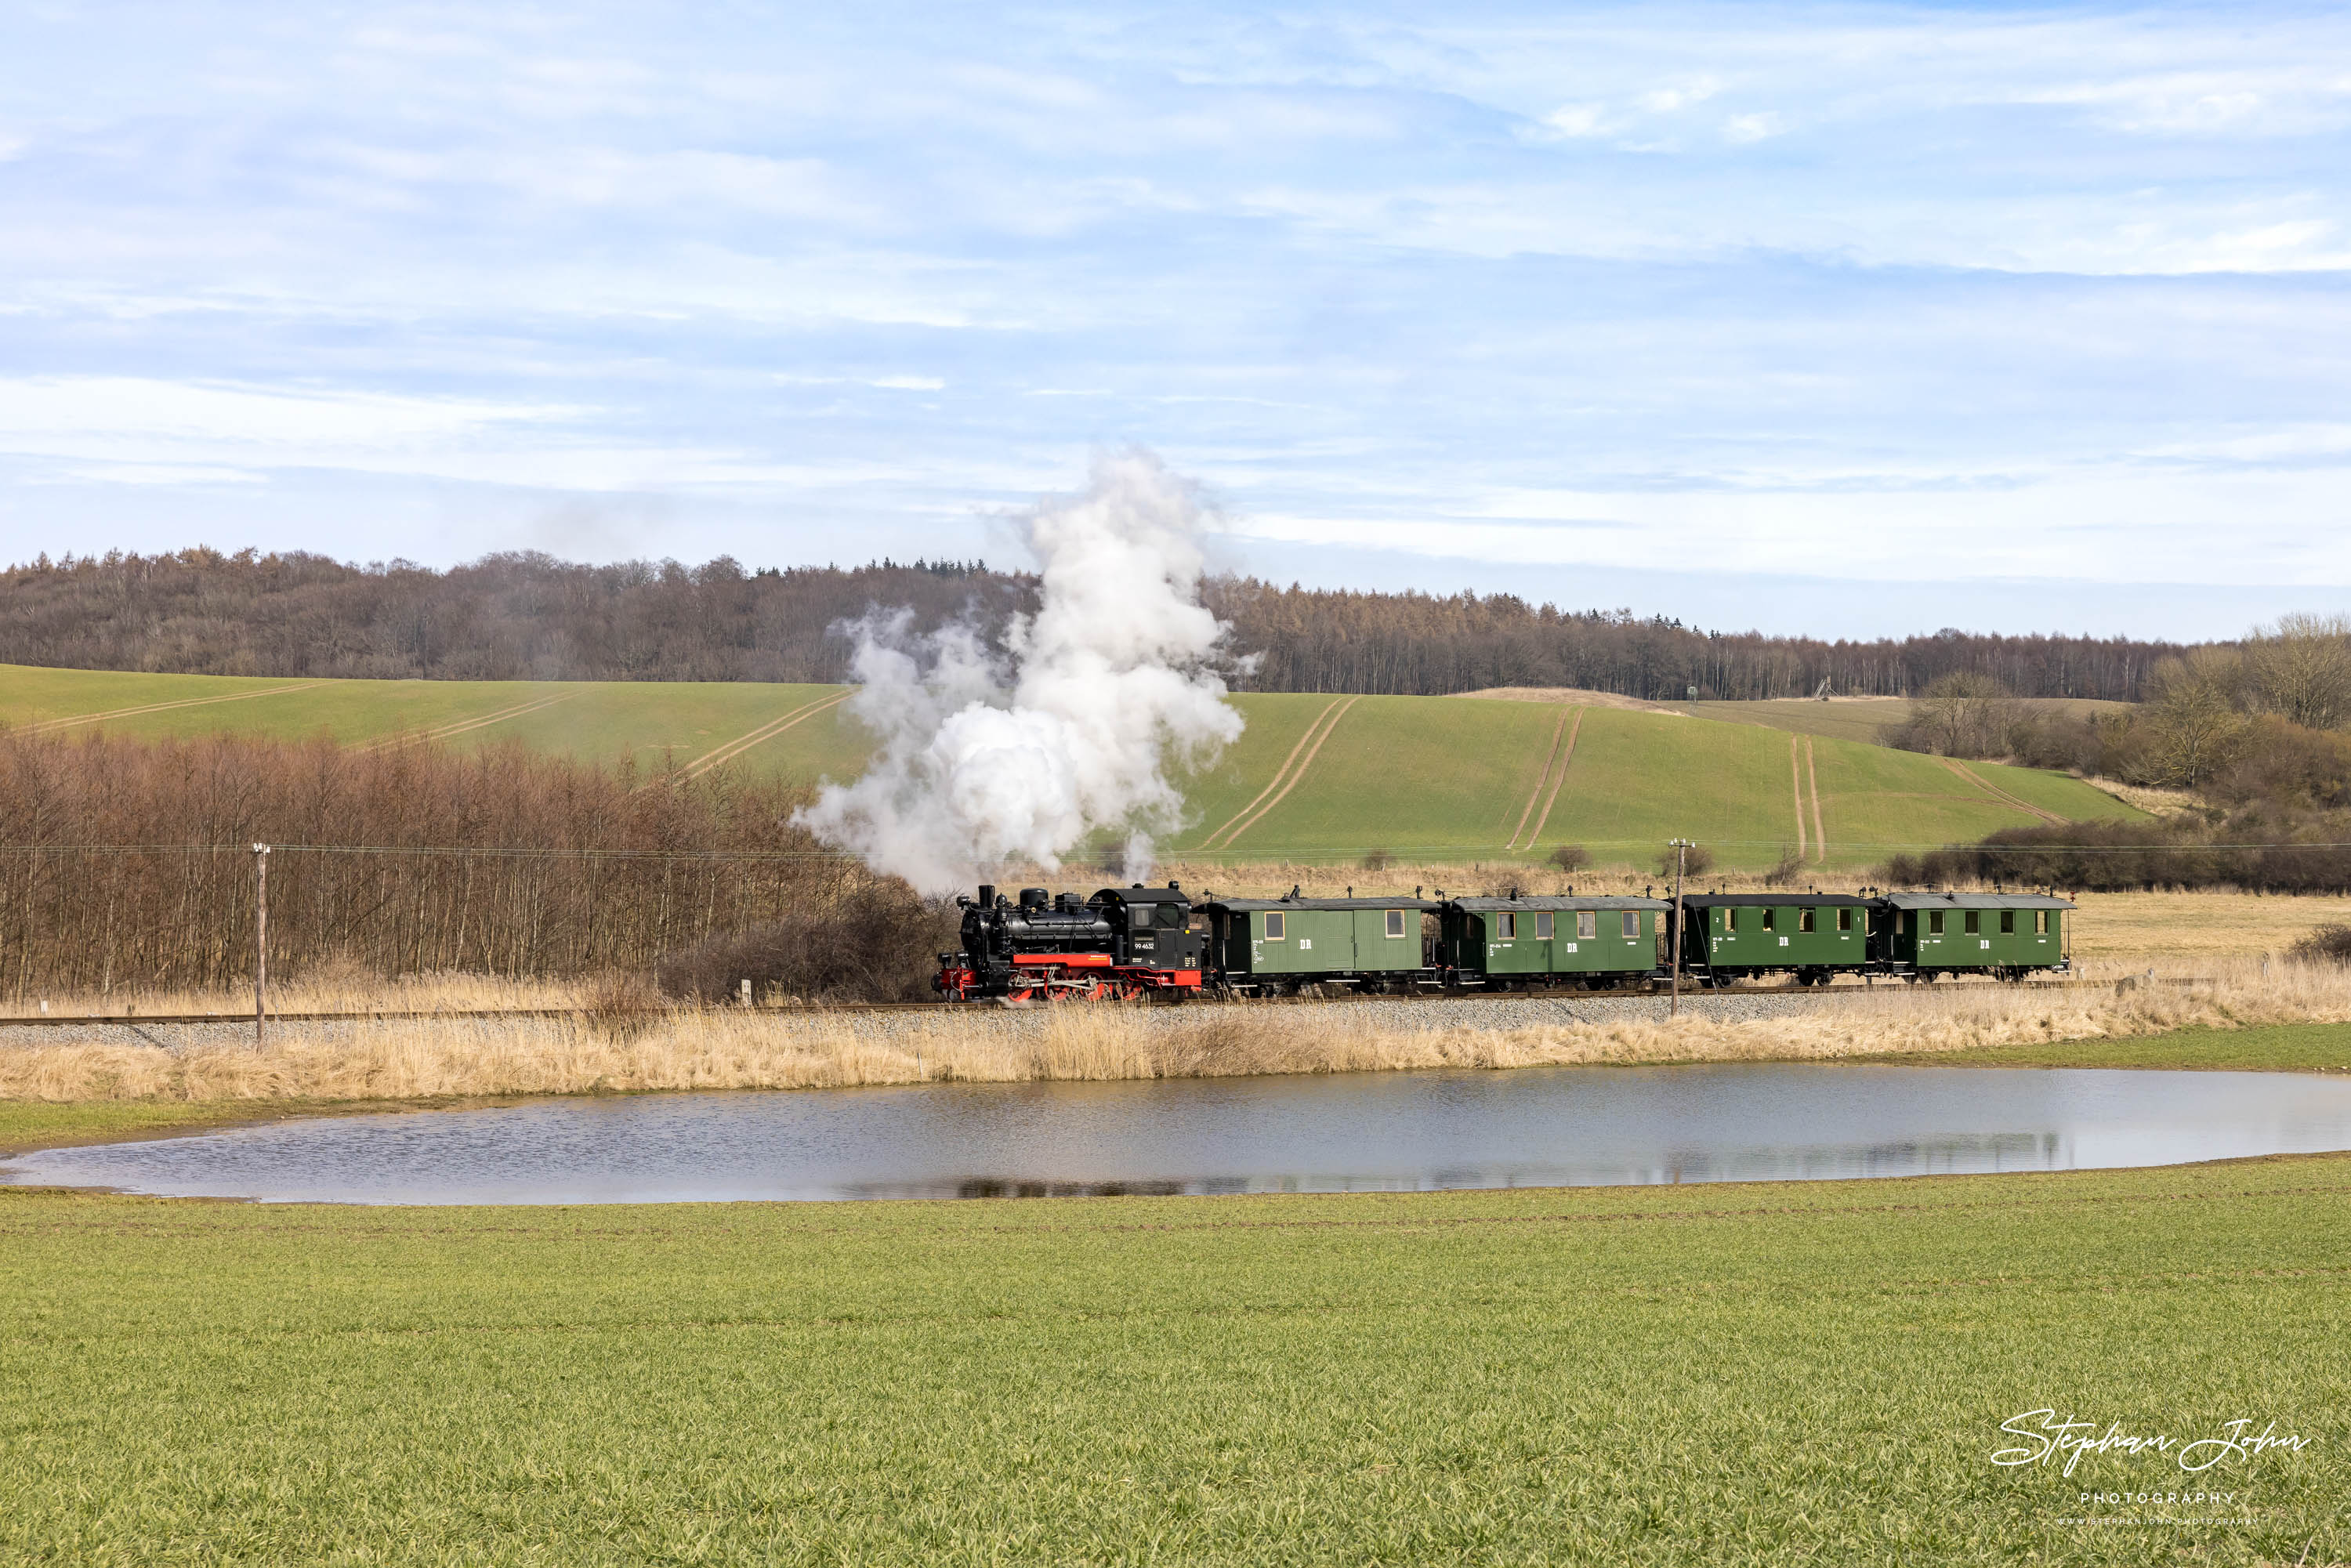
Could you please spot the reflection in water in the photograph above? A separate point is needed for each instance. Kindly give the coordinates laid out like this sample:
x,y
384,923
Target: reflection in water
x,y
1356,1132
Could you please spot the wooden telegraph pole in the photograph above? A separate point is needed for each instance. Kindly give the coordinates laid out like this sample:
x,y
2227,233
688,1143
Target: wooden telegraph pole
x,y
1681,848
260,939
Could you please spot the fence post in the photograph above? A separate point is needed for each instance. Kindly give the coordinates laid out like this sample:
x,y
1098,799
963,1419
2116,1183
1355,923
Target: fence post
x,y
260,939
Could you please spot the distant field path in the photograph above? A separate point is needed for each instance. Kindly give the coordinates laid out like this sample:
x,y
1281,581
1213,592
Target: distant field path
x,y
1293,768
69,722
465,726
1796,771
1996,792
1554,773
1813,783
735,748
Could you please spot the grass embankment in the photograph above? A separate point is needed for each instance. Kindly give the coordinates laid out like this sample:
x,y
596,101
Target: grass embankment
x,y
731,1049
1814,1372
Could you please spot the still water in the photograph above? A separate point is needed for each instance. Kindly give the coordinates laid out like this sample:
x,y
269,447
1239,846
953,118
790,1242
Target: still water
x,y
1356,1132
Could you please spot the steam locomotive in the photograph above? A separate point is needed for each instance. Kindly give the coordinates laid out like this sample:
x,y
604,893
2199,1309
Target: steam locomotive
x,y
1156,942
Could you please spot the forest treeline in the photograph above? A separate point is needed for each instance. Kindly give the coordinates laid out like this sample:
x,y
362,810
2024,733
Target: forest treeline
x,y
127,866
2255,737
532,617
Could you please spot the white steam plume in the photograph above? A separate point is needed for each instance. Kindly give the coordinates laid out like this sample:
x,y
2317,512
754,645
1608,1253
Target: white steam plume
x,y
983,762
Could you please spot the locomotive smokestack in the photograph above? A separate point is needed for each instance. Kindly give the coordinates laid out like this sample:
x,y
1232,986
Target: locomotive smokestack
x,y
988,896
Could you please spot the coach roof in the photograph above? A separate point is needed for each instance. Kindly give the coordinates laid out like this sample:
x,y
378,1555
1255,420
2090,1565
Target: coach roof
x,y
1558,901
1976,901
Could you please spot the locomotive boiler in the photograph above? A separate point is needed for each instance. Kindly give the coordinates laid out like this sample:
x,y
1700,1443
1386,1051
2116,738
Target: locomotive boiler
x,y
1124,942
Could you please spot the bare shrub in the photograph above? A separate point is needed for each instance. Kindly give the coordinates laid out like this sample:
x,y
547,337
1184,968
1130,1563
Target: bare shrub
x,y
130,864
624,1004
1696,861
1378,860
2327,945
1571,857
881,948
1790,867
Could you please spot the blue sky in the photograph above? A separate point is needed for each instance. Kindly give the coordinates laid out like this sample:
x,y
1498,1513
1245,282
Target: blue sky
x,y
1851,318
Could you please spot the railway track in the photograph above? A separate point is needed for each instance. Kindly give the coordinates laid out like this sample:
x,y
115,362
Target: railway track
x,y
1820,993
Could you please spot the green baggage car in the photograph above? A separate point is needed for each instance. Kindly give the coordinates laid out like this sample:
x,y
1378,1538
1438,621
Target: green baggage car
x,y
1515,943
1728,936
2007,935
1280,947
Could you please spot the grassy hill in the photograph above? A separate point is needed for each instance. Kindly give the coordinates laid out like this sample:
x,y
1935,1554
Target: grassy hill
x,y
1313,776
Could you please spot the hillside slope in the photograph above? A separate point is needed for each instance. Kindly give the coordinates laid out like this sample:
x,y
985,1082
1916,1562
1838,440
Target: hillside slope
x,y
1313,776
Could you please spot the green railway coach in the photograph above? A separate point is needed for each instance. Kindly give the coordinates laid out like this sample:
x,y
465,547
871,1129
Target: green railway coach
x,y
1514,943
1729,936
2006,935
1280,945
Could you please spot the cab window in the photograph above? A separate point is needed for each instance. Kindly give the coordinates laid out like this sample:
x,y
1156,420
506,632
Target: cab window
x,y
1275,924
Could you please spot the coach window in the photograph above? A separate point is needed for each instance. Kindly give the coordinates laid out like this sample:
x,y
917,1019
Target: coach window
x,y
1934,923
1974,923
1395,922
1587,924
1506,925
1275,922
1632,923
1844,919
1807,919
1543,918
1768,912
1730,918
2008,922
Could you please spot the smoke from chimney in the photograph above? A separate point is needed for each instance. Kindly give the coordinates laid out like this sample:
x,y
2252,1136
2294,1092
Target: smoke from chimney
x,y
985,760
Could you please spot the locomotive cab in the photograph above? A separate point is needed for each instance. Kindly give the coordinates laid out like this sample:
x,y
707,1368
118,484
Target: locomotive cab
x,y
1122,942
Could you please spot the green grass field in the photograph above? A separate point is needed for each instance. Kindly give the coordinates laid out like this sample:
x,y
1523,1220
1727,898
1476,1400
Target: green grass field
x,y
1812,1372
1438,778
1860,719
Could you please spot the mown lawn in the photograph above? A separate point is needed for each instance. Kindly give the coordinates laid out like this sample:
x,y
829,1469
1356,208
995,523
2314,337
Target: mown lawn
x,y
1763,1374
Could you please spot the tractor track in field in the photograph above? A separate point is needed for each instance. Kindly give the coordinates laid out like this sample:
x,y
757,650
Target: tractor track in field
x,y
1293,768
1554,774
69,721
720,754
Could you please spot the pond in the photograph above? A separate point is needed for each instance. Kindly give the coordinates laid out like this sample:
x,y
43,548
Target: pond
x,y
1388,1132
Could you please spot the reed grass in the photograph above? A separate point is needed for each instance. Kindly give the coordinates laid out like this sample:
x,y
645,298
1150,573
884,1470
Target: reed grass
x,y
653,1049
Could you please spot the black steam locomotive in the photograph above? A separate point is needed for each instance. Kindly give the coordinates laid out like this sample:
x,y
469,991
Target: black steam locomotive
x,y
1125,941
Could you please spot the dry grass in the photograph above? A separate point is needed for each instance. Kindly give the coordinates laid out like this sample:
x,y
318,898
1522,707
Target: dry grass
x,y
327,990
718,1049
